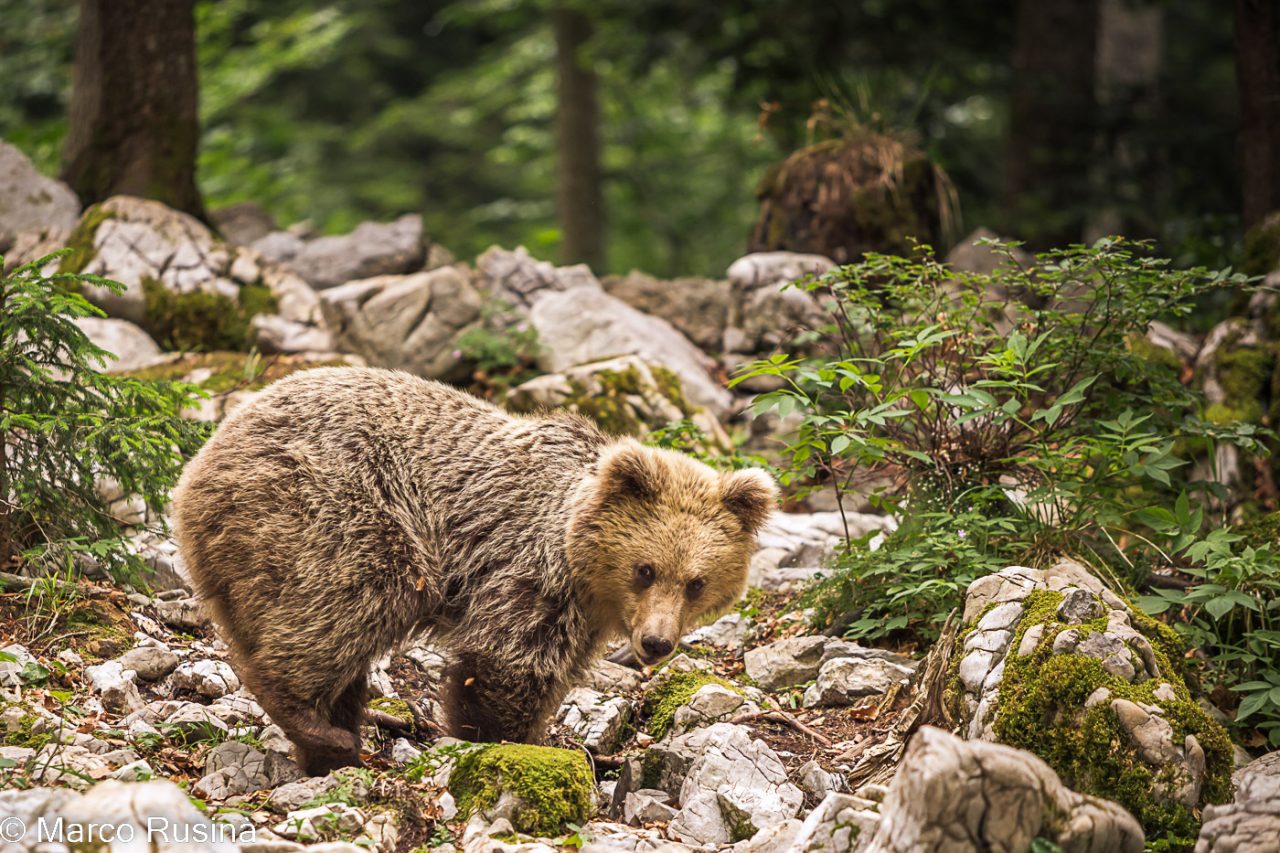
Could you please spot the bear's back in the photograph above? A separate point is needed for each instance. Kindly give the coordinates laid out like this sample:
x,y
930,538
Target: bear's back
x,y
327,458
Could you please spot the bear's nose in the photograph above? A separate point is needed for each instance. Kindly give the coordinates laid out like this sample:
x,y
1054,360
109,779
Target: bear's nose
x,y
656,646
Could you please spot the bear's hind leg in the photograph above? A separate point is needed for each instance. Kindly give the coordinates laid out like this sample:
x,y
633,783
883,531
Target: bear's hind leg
x,y
323,742
487,701
349,708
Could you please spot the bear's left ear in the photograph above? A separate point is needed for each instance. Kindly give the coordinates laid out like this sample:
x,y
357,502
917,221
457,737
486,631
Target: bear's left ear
x,y
750,494
629,470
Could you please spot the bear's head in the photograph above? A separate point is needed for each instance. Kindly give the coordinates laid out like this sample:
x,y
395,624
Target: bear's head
x,y
658,542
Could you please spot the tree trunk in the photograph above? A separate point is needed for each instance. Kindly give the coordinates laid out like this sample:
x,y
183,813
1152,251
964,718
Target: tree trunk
x,y
134,121
1052,118
1130,57
579,196
1258,80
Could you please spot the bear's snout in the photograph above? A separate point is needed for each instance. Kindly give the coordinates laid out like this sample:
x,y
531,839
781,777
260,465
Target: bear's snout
x,y
654,639
656,647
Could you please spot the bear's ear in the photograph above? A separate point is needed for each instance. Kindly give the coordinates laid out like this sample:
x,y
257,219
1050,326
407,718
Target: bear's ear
x,y
750,494
629,470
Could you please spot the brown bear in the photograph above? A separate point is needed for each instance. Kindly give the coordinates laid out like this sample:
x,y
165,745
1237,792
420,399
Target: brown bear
x,y
345,509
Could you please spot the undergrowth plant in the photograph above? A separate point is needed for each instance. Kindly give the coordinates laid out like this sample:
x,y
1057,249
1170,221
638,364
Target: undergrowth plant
x,y
1231,609
1015,414
503,350
67,429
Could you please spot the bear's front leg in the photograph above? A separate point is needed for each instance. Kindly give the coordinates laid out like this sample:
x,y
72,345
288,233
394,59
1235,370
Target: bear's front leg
x,y
487,699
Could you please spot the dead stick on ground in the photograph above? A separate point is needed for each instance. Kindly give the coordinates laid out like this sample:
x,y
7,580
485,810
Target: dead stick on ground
x,y
783,717
609,761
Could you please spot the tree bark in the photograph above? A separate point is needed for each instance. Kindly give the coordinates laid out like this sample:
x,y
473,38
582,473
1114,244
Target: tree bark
x,y
579,196
134,103
1258,81
1052,118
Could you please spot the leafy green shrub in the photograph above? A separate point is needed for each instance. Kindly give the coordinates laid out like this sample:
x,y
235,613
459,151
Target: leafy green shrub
x,y
1232,611
502,349
1013,412
66,427
1013,432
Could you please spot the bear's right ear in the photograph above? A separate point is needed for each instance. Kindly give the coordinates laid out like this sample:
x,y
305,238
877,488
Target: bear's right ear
x,y
751,495
629,470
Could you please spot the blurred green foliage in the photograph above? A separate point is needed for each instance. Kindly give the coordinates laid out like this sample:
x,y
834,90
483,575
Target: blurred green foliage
x,y
338,111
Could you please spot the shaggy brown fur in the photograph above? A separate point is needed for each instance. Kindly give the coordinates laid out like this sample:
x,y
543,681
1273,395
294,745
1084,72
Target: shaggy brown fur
x,y
346,509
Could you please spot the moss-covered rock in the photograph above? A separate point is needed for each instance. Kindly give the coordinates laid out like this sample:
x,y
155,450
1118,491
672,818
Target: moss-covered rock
x,y
624,396
397,708
1262,247
860,192
203,320
672,689
17,732
80,242
1055,664
220,372
540,789
188,289
1262,531
1245,376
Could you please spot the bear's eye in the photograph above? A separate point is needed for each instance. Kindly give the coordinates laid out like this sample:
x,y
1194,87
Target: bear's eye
x,y
694,587
644,574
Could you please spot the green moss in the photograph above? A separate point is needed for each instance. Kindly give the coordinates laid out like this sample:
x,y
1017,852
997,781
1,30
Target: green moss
x,y
397,708
227,370
1224,415
1264,530
741,829
651,770
98,636
1262,247
673,689
23,736
1141,345
80,242
1245,376
554,786
1042,710
203,320
610,411
672,389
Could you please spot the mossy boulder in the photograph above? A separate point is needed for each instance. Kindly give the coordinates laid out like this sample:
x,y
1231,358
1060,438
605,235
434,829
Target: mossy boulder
x,y
623,396
396,708
188,289
539,789
860,192
672,688
230,378
1237,368
1262,247
1055,663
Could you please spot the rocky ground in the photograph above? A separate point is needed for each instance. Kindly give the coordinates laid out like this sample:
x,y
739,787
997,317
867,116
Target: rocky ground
x,y
121,708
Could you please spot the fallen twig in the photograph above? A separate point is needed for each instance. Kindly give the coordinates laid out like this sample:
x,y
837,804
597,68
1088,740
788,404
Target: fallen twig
x,y
783,717
610,761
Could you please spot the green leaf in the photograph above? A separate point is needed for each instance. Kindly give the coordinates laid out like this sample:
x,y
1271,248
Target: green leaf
x,y
33,674
1075,393
1219,606
1251,705
1157,517
1152,605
